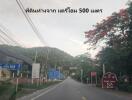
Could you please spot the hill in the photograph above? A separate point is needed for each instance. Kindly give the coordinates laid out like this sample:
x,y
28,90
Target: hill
x,y
52,57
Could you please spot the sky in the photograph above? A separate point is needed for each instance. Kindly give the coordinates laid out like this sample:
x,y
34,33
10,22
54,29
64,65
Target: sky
x,y
64,31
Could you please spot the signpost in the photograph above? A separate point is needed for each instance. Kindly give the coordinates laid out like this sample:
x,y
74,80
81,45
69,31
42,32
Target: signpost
x,y
0,73
35,71
87,80
93,74
73,68
109,80
11,66
81,75
55,74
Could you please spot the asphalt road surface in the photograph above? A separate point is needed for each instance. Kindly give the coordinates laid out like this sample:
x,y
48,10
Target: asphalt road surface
x,y
73,90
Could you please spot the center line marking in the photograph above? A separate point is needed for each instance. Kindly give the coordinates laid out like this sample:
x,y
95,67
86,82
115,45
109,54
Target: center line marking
x,y
84,98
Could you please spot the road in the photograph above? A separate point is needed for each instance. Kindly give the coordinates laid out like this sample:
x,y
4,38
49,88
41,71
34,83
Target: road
x,y
73,90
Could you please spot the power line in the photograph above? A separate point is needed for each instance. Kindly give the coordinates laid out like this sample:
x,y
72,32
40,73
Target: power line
x,y
5,32
34,29
2,37
1,40
6,39
31,23
10,38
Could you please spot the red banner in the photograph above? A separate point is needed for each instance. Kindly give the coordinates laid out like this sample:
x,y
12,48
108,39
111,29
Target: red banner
x,y
93,74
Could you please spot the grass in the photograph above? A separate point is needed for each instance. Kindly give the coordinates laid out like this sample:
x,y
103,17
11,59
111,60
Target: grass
x,y
25,89
6,90
35,86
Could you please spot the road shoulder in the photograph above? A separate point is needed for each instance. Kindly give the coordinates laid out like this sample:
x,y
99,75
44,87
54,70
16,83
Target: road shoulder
x,y
38,92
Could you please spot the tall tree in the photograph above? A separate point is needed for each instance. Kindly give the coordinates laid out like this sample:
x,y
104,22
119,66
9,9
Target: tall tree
x,y
117,31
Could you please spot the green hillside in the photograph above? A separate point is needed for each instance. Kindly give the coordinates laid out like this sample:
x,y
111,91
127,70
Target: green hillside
x,y
45,55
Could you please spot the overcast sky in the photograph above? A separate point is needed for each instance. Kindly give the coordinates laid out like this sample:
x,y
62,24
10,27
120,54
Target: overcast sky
x,y
63,31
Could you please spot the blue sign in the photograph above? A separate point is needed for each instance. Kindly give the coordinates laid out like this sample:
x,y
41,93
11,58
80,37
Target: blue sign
x,y
55,74
11,66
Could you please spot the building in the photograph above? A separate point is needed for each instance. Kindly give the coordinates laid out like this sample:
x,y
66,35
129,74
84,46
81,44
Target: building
x,y
8,56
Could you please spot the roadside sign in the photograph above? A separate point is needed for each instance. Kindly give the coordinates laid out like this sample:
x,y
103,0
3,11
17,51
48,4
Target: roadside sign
x,y
93,74
11,66
73,68
55,74
35,70
109,80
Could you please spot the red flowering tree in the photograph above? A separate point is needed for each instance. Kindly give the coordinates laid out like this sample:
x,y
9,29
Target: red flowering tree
x,y
116,24
117,29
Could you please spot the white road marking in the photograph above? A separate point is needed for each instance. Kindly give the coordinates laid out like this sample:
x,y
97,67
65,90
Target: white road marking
x,y
84,98
47,91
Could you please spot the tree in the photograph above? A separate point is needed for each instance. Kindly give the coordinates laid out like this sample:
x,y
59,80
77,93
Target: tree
x,y
116,30
84,63
117,22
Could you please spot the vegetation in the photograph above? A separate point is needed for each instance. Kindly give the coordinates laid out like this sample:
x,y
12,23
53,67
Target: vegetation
x,y
116,33
86,64
25,89
7,91
117,56
47,57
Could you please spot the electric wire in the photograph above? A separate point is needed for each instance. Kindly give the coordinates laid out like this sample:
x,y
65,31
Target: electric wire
x,y
31,22
7,41
1,40
6,32
9,38
34,29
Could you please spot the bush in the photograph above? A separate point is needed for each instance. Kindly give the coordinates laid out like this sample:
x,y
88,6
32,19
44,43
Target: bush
x,y
35,86
125,87
99,85
13,96
129,88
7,91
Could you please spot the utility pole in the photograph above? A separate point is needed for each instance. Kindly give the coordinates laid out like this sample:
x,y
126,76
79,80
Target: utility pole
x,y
96,78
35,31
0,72
55,66
59,72
87,80
47,58
103,69
91,80
35,56
81,75
35,61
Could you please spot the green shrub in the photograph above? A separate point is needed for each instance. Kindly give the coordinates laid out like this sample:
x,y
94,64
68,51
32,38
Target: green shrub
x,y
13,96
7,91
123,87
129,88
99,85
